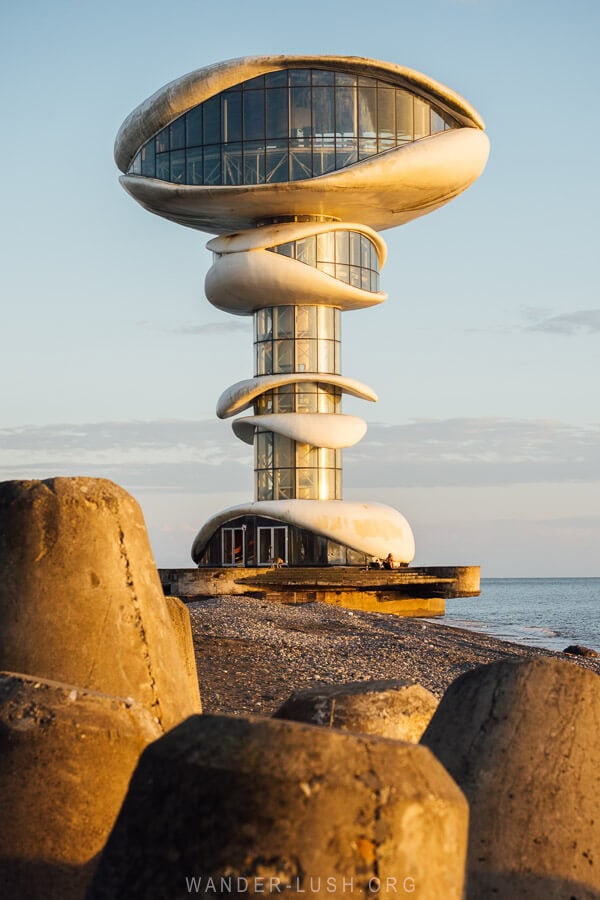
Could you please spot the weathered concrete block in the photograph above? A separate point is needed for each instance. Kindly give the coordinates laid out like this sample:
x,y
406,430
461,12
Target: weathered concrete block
x,y
393,709
522,739
80,597
288,809
182,628
67,757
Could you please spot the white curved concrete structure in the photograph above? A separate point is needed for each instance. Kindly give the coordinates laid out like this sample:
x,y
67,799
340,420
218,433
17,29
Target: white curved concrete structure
x,y
241,395
318,429
244,270
297,163
370,528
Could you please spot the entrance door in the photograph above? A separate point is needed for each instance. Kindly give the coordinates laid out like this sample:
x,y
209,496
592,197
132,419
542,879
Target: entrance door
x,y
233,546
272,544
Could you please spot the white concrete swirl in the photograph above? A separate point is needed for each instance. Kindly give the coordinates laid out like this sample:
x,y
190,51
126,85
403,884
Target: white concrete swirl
x,y
371,528
332,430
245,272
241,395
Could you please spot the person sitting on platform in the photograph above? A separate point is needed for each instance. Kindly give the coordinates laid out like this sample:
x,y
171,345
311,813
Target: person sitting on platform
x,y
388,562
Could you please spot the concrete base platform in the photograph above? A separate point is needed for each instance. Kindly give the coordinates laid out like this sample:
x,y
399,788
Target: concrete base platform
x,y
410,591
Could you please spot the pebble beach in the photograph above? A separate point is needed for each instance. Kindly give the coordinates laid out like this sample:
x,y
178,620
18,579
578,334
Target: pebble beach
x,y
252,654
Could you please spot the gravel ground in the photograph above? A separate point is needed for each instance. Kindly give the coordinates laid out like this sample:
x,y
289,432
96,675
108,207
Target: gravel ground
x,y
251,654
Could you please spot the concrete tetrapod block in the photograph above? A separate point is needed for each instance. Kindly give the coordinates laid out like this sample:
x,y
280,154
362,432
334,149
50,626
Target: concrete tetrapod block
x,y
182,628
274,807
522,739
80,597
393,709
67,757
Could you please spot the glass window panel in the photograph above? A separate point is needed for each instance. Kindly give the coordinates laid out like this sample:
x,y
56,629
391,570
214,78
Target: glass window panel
x,y
342,247
232,116
264,450
345,78
326,484
254,115
342,273
264,485
367,112
277,162
421,118
327,401
365,251
346,152
148,159
367,147
300,112
264,324
284,452
307,456
355,240
374,281
264,358
283,356
264,404
374,263
277,124
326,356
322,76
276,79
323,158
136,166
177,133
306,321
337,315
345,111
307,484
306,402
327,268
338,484
365,279
283,488
449,122
355,279
326,322
177,175
232,164
162,166
300,159
300,76
306,355
252,83
326,247
283,322
283,401
306,250
437,122
288,249
386,115
323,119
404,116
254,162
162,141
212,121
337,360
366,82
194,163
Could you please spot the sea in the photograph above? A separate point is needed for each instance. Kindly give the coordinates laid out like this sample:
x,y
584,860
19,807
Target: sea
x,y
539,612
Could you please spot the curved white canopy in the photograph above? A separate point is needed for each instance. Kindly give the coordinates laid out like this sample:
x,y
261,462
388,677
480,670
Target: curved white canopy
x,y
240,395
371,528
332,430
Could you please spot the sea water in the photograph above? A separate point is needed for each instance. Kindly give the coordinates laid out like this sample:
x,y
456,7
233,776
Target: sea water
x,y
540,612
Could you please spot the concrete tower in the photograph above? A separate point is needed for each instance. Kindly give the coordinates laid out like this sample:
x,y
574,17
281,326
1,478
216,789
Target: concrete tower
x,y
297,163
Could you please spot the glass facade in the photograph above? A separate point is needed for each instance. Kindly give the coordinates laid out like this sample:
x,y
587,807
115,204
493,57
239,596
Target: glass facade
x,y
288,470
287,126
297,339
346,255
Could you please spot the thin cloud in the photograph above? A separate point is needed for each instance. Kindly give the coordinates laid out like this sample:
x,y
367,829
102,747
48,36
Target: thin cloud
x,y
582,321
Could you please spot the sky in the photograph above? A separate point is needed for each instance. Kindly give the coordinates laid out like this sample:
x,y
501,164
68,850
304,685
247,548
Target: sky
x,y
485,357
